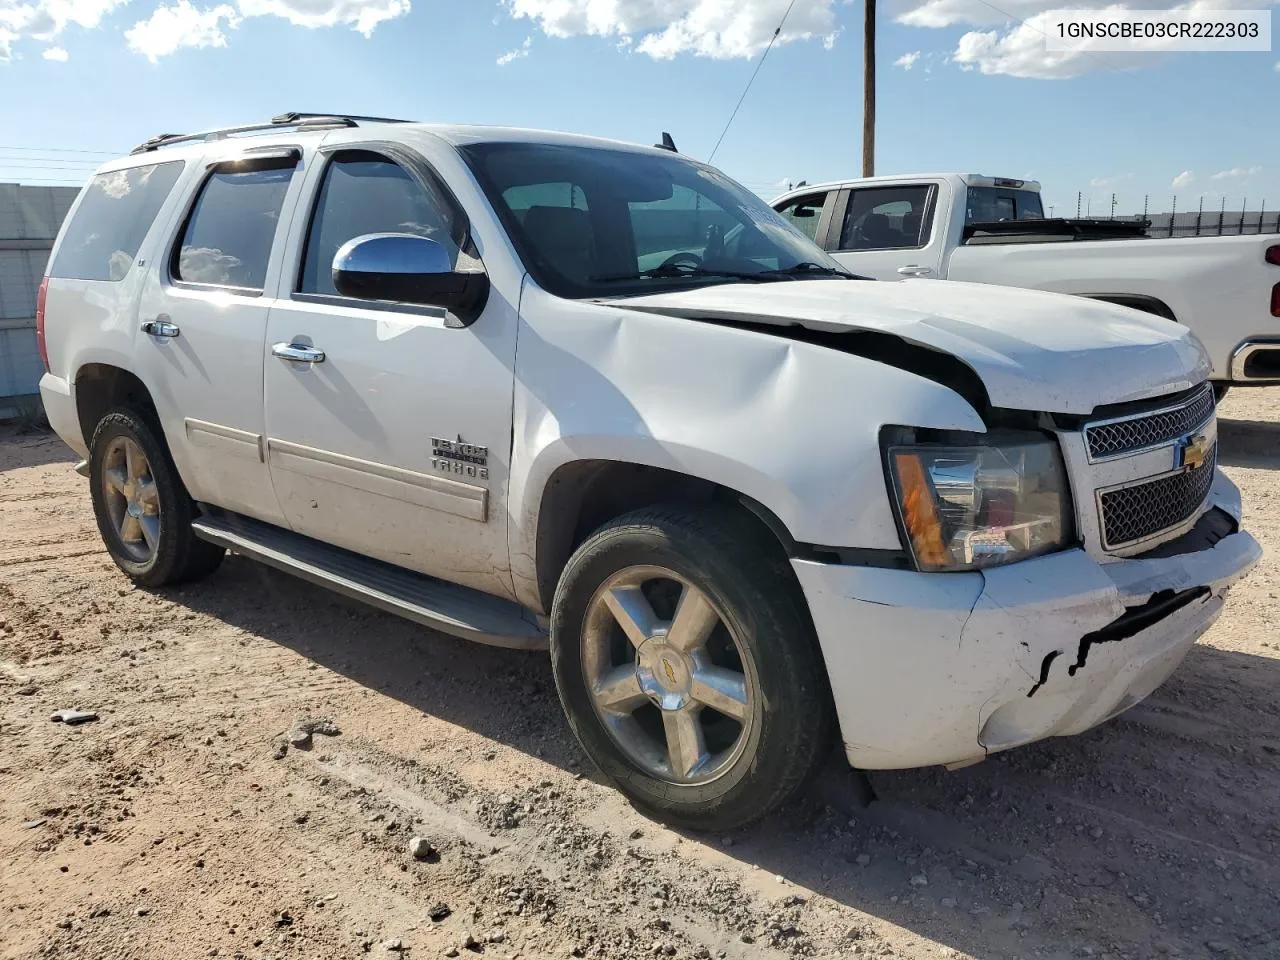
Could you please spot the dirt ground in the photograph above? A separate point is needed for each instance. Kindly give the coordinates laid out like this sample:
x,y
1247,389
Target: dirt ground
x,y
171,828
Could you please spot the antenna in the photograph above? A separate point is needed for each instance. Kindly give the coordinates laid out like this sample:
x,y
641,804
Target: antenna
x,y
667,143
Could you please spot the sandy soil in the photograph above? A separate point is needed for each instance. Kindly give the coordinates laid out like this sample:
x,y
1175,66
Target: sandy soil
x,y
169,828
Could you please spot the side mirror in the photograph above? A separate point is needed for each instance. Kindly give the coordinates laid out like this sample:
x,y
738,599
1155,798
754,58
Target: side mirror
x,y
405,268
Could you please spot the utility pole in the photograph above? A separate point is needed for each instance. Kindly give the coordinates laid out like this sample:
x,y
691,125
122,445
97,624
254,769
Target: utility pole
x,y
869,89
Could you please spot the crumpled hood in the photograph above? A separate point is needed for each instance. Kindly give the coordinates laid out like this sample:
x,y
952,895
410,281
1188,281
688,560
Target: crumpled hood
x,y
1034,351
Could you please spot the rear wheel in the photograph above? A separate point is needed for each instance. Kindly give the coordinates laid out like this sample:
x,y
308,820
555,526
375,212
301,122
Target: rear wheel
x,y
688,667
143,509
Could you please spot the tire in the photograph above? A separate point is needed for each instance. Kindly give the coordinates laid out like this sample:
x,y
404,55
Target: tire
x,y
743,575
169,551
1220,391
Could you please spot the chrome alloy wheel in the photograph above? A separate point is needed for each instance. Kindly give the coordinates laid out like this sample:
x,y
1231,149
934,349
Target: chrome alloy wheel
x,y
667,676
131,498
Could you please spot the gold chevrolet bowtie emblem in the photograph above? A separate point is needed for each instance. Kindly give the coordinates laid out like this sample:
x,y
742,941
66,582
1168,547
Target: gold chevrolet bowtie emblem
x,y
669,671
1195,451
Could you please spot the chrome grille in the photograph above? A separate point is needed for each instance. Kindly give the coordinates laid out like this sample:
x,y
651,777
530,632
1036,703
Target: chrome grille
x,y
1114,438
1134,513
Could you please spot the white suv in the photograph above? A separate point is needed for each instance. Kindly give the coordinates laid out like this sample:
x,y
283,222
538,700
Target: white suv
x,y
529,388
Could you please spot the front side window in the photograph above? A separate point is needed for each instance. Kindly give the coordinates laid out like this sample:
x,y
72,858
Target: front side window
x,y
598,222
363,193
888,218
805,213
114,215
227,239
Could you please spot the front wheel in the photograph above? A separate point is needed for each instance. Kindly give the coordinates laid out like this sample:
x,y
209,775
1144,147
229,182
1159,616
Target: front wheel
x,y
143,509
687,663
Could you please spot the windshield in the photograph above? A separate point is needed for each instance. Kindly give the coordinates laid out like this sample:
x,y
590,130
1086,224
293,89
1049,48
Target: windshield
x,y
595,222
991,204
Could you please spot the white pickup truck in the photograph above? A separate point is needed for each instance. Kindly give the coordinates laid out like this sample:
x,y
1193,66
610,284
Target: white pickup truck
x,y
535,390
992,230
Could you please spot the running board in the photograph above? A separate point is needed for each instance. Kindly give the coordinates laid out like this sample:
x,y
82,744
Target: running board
x,y
447,607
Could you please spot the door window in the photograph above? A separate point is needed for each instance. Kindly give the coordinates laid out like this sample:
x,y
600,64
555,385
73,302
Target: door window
x,y
804,213
111,221
227,239
888,218
365,193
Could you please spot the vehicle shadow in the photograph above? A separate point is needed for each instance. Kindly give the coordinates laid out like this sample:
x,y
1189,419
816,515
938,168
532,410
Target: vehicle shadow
x,y
1153,833
1249,443
33,447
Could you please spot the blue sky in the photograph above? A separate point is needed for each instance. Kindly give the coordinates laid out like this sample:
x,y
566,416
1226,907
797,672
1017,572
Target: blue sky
x,y
980,94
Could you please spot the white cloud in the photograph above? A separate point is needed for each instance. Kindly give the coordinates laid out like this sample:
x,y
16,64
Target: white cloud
x,y
1106,183
363,16
57,54
907,60
169,29
1236,173
518,53
1184,179
662,29
1012,41
46,19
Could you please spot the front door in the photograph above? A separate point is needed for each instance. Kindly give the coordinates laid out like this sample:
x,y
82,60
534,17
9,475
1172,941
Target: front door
x,y
203,311
389,425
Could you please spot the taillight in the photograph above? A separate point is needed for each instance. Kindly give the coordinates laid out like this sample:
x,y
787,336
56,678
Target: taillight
x,y
40,298
1273,255
1275,300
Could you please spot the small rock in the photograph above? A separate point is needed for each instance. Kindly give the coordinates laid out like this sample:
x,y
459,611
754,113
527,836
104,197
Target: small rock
x,y
439,912
279,748
28,691
420,848
1096,833
864,859
284,919
394,945
73,717
636,834
469,942
1217,946
726,841
141,911
497,936
949,903
919,880
451,952
32,824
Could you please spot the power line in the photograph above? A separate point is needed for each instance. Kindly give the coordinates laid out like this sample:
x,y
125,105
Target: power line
x,y
747,90
45,162
54,180
112,153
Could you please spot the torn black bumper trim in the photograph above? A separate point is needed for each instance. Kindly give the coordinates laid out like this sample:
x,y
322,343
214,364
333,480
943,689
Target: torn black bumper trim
x,y
1136,619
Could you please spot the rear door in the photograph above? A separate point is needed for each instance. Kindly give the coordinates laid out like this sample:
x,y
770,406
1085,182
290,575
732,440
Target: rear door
x,y
203,317
890,232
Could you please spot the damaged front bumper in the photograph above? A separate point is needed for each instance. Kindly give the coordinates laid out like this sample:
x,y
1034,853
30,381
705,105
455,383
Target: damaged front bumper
x,y
937,668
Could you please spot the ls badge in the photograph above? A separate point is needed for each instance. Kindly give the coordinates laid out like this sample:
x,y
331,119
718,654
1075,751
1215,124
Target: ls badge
x,y
460,459
1194,450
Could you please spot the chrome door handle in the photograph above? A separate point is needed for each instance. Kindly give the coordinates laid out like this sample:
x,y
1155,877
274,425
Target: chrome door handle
x,y
915,270
160,327
297,352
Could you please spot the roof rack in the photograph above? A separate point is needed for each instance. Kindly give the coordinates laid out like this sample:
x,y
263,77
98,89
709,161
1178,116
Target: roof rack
x,y
293,120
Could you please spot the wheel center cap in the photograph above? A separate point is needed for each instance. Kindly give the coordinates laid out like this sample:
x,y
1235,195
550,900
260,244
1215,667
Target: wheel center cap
x,y
134,508
664,673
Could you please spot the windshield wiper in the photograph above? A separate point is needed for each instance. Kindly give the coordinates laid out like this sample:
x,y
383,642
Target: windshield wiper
x,y
808,268
680,271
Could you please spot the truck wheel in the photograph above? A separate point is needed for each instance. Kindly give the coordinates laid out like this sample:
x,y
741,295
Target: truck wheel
x,y
687,663
144,512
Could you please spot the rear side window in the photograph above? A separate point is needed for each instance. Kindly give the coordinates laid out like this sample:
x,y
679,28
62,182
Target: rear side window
x,y
888,218
227,239
111,221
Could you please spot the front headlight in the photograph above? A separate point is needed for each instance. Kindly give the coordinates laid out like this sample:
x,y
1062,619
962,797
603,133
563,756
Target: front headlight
x,y
969,506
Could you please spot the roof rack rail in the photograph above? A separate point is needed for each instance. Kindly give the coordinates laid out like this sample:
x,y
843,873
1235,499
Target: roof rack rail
x,y
293,119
